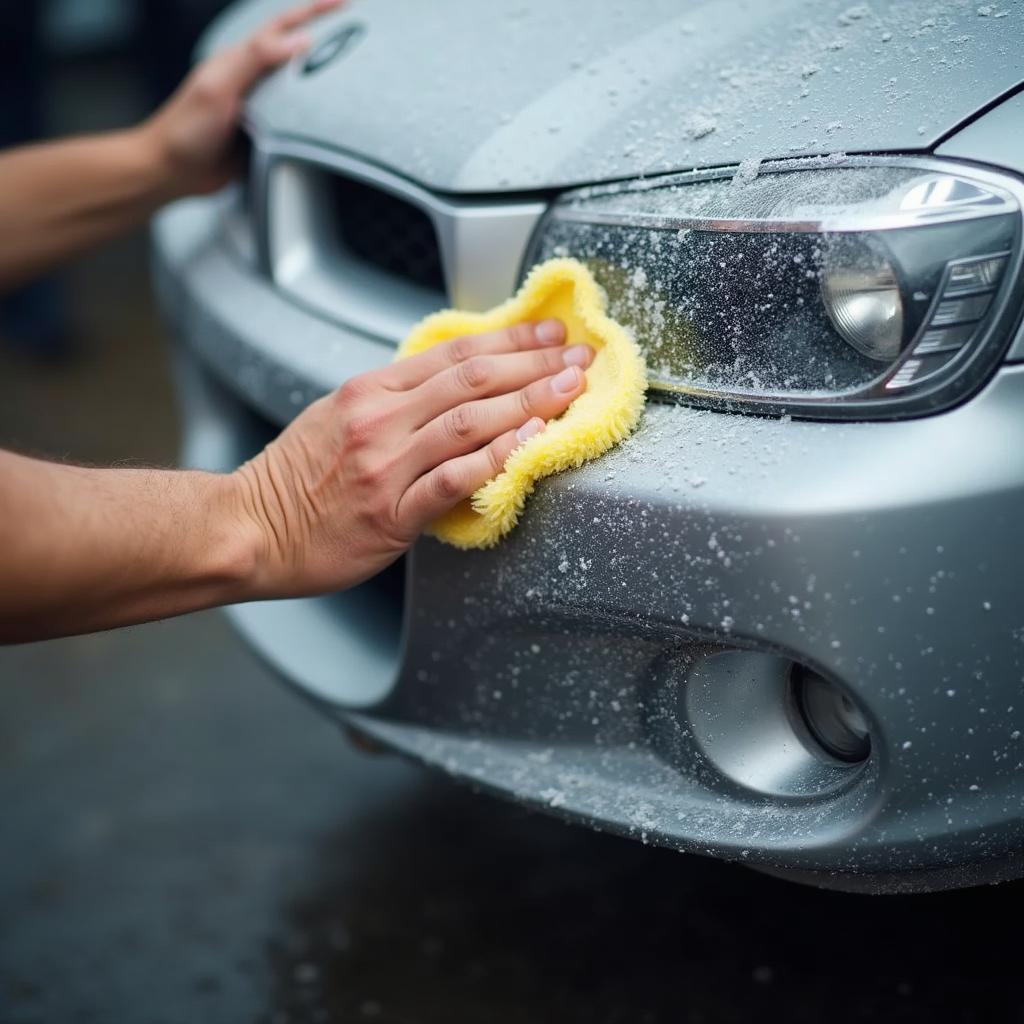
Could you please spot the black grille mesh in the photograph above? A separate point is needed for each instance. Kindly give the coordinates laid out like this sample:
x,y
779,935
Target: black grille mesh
x,y
388,232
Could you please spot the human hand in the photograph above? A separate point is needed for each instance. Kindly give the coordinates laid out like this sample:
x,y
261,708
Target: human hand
x,y
191,136
351,483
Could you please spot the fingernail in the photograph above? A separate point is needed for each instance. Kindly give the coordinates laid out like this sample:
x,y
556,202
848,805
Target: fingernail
x,y
566,381
297,42
550,332
529,428
578,355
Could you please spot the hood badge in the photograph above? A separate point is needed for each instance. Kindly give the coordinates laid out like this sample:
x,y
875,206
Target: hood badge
x,y
333,46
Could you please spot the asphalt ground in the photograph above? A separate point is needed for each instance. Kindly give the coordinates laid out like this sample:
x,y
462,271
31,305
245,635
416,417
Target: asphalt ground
x,y
183,841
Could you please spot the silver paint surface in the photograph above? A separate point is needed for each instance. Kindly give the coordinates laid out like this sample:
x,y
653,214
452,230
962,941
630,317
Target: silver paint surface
x,y
521,94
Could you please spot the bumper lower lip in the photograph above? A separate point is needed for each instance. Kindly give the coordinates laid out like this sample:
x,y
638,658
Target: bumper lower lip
x,y
884,555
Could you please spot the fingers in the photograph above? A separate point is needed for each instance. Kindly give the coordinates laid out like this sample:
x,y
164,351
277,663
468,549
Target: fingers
x,y
410,373
304,12
243,65
487,376
240,67
471,425
453,481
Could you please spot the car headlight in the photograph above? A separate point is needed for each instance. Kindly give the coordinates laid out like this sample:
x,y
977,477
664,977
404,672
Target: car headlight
x,y
843,288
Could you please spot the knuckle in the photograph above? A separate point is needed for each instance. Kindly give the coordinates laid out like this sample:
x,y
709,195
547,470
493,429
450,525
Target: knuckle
x,y
461,348
551,360
348,392
359,430
367,470
495,457
352,390
475,373
261,46
460,422
527,398
521,334
447,482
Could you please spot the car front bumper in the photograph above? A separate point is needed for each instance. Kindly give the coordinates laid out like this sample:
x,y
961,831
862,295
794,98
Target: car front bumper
x,y
609,660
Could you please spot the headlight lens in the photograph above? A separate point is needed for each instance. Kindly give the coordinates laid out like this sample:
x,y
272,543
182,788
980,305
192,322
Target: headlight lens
x,y
853,289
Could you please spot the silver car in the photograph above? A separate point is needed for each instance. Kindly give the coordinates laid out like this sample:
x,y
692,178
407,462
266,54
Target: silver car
x,y
783,624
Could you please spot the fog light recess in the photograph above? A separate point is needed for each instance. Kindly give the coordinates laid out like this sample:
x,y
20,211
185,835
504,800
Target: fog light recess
x,y
835,723
774,726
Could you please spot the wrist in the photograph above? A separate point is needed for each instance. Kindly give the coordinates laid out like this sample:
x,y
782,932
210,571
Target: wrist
x,y
235,549
152,162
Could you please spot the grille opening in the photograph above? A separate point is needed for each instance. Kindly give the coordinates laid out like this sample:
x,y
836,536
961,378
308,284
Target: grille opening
x,y
240,218
387,232
242,155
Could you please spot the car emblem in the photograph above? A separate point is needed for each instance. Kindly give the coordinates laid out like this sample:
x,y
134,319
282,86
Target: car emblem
x,y
333,46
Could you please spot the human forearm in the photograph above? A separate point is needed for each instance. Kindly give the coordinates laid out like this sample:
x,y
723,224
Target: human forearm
x,y
60,198
340,494
85,549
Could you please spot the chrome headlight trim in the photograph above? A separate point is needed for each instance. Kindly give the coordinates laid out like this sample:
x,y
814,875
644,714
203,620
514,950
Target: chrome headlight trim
x,y
929,202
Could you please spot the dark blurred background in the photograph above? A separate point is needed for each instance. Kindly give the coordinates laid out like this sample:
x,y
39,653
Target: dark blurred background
x,y
82,366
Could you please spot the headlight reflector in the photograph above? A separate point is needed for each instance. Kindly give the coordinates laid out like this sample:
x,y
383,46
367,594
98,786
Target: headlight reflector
x,y
862,297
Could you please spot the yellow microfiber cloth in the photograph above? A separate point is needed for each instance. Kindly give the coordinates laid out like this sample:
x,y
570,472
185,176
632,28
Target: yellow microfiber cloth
x,y
603,415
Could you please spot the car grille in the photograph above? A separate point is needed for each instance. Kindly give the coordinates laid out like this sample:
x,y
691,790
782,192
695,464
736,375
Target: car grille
x,y
387,232
372,251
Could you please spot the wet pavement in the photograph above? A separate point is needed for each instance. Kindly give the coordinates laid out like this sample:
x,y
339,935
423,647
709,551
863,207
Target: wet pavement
x,y
186,841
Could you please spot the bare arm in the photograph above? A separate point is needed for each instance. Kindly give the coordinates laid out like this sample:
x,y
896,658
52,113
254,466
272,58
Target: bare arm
x,y
59,198
337,497
83,549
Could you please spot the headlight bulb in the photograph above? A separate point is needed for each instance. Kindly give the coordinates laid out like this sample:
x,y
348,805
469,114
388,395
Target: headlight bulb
x,y
862,297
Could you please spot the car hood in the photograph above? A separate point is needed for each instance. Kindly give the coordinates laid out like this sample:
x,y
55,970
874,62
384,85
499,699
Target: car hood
x,y
519,95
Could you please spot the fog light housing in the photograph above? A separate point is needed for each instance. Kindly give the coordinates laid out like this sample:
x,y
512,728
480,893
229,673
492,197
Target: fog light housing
x,y
837,726
741,719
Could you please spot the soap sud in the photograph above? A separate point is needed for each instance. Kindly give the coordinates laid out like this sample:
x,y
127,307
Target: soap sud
x,y
746,172
853,14
700,125
553,797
